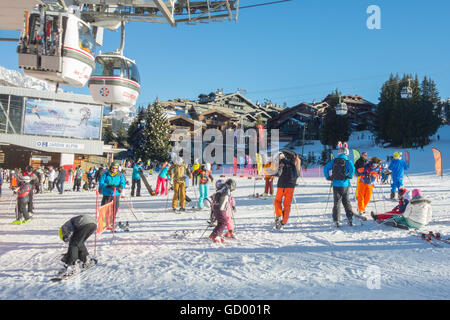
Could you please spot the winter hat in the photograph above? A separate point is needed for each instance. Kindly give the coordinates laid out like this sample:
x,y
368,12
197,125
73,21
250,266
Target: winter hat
x,y
416,193
402,191
397,155
343,148
231,184
219,184
375,160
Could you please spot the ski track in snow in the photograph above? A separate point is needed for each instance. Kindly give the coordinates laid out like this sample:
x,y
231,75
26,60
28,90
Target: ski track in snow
x,y
310,259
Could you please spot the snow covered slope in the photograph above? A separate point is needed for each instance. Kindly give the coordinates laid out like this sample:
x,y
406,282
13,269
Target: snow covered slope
x,y
309,260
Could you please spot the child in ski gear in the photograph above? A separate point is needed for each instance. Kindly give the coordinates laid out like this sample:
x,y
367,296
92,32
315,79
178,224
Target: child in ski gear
x,y
342,171
136,179
268,177
76,231
417,213
398,167
23,192
203,177
385,173
178,172
368,174
161,182
222,202
195,167
111,185
33,181
403,200
360,163
288,172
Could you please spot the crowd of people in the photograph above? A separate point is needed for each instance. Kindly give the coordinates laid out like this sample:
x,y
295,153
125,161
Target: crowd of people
x,y
412,211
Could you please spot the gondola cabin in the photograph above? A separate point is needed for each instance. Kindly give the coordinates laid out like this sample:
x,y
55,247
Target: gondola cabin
x,y
115,80
406,93
57,47
341,109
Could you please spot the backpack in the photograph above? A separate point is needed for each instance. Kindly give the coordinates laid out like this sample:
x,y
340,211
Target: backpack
x,y
338,170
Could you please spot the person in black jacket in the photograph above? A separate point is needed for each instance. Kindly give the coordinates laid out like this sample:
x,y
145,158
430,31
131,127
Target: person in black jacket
x,y
76,231
288,172
360,163
60,180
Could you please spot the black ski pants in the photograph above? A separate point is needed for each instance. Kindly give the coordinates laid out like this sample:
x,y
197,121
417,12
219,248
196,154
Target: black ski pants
x,y
77,184
77,249
341,194
136,184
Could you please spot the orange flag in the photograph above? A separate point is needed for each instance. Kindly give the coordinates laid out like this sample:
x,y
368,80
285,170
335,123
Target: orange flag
x,y
437,161
105,217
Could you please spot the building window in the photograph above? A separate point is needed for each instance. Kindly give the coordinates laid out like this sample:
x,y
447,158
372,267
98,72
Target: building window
x,y
15,114
3,112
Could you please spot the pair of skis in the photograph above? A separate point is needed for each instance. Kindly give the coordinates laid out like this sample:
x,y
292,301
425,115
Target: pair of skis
x,y
434,239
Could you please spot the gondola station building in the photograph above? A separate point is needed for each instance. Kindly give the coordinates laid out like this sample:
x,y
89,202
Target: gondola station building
x,y
42,128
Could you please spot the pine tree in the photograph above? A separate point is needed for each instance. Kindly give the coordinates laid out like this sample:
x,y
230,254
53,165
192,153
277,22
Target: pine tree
x,y
108,135
334,128
407,122
156,134
136,136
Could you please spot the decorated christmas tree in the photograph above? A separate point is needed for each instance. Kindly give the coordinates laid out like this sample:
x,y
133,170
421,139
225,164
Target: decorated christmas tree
x,y
156,134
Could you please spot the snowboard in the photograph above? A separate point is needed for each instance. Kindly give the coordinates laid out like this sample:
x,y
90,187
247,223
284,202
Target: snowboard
x,y
74,274
147,185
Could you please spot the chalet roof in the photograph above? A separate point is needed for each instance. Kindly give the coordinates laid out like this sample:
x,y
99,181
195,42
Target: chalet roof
x,y
193,122
226,96
226,113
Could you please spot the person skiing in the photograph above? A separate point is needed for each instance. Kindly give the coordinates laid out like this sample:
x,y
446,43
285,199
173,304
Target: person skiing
x,y
361,162
221,204
178,172
268,178
136,179
417,213
398,167
403,200
203,176
23,214
76,231
342,171
288,172
368,174
161,181
195,167
33,182
77,179
111,185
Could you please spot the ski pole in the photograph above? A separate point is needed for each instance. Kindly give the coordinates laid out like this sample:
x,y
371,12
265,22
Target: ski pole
x,y
296,209
129,207
328,199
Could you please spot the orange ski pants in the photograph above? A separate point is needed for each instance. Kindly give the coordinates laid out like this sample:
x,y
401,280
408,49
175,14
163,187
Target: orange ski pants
x,y
364,195
283,208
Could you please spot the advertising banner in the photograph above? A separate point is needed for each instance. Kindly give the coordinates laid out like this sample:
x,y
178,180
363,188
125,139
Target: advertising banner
x,y
62,119
437,161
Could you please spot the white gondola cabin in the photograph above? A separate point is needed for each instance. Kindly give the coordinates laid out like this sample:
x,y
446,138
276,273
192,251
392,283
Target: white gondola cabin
x,y
115,80
406,93
341,109
57,47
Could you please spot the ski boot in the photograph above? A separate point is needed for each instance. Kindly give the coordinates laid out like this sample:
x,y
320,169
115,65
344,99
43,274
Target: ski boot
x,y
336,224
350,223
229,234
278,223
392,195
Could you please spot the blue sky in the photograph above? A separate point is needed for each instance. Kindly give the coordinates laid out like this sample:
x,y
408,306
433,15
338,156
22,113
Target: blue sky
x,y
288,53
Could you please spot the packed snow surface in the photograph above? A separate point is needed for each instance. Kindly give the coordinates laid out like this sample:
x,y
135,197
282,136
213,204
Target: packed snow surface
x,y
310,259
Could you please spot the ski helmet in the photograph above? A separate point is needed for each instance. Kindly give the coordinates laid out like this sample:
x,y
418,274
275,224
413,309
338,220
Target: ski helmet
x,y
231,184
397,155
219,184
61,234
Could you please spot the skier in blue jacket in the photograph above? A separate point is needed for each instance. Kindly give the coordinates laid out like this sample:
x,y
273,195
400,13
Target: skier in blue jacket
x,y
111,185
398,167
342,171
136,179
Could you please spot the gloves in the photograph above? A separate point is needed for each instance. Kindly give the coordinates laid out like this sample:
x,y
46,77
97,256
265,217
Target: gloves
x,y
120,189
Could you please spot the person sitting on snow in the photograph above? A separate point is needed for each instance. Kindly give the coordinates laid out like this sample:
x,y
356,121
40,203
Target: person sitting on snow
x,y
417,213
404,198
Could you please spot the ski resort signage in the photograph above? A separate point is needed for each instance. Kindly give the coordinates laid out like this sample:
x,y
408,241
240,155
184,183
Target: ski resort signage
x,y
60,145
62,119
